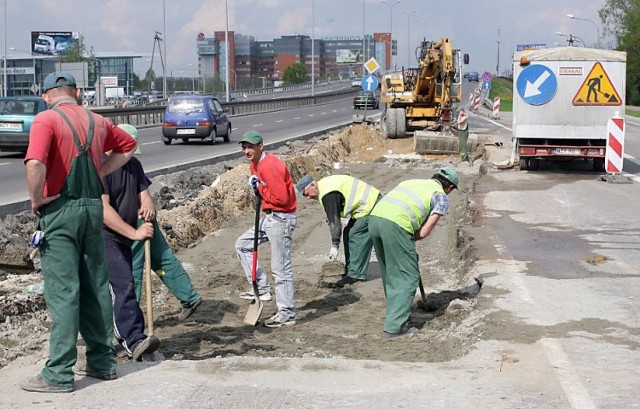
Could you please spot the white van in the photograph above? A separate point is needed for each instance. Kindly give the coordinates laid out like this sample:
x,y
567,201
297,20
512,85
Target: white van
x,y
44,45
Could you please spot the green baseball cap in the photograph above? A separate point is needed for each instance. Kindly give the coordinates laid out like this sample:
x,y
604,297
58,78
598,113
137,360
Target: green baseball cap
x,y
450,174
133,131
58,79
252,137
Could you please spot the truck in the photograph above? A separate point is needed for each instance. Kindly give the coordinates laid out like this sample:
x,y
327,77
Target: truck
x,y
563,98
423,97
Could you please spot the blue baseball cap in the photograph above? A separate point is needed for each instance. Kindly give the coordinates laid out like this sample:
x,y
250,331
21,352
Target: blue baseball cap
x,y
58,79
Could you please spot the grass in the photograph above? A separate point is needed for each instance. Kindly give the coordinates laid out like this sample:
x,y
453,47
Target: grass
x,y
502,88
629,112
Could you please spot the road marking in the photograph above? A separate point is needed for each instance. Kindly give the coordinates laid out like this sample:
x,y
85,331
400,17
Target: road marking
x,y
632,122
5,163
335,110
324,113
150,143
297,117
279,120
257,125
311,114
494,122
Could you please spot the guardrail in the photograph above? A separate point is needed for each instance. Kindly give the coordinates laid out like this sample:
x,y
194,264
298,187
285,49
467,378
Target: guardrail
x,y
150,116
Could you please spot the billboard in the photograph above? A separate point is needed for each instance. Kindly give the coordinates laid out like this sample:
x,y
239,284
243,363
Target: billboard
x,y
52,42
522,47
347,56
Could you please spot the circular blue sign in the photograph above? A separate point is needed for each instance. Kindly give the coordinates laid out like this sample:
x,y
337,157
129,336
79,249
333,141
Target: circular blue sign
x,y
537,84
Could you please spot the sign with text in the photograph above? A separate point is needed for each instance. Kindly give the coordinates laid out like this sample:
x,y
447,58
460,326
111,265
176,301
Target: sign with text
x,y
348,56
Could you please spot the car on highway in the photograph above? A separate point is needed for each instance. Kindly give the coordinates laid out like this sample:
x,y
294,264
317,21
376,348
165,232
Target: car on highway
x,y
16,116
473,77
356,82
365,99
195,117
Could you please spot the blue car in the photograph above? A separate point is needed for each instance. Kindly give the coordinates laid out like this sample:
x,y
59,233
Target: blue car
x,y
473,77
195,117
16,116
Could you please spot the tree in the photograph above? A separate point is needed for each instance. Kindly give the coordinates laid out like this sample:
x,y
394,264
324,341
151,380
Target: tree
x,y
621,20
296,73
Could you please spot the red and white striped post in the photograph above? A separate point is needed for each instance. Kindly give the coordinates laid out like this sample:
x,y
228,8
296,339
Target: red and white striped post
x,y
614,154
245,97
496,108
476,101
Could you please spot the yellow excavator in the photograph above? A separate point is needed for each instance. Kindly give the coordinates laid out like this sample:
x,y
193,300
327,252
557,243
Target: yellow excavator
x,y
422,98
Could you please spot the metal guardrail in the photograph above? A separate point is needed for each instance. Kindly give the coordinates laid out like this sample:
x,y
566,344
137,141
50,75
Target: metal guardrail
x,y
151,116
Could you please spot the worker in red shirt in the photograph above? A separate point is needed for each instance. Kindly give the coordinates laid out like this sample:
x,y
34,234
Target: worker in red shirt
x,y
270,179
64,171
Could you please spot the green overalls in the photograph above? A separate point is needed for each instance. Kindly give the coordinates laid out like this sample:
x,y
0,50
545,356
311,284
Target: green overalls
x,y
166,266
76,285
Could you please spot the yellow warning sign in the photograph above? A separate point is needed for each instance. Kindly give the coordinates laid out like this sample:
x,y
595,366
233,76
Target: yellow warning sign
x,y
597,89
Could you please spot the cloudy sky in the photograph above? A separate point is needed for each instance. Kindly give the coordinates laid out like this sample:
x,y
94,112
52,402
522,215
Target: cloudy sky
x,y
129,25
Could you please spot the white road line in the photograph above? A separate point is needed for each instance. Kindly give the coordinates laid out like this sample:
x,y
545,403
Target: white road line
x,y
150,143
256,125
632,122
5,163
494,122
312,115
297,117
279,120
335,110
233,129
323,113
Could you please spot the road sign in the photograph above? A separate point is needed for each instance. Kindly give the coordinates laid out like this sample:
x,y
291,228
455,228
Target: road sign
x,y
369,82
372,65
537,84
486,85
597,89
486,76
615,145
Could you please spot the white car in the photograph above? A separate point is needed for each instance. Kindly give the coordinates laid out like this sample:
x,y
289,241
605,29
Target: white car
x,y
356,82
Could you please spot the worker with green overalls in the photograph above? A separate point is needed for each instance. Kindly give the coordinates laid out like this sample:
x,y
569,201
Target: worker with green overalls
x,y
344,196
64,171
409,212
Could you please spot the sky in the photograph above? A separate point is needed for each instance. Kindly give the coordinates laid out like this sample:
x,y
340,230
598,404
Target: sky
x,y
472,26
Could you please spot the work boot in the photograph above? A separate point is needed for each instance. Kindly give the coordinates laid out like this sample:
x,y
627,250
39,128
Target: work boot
x,y
146,346
346,280
278,321
405,332
37,384
86,371
187,311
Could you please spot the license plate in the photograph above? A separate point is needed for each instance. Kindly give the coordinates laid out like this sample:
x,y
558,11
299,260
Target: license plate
x,y
186,131
11,125
567,151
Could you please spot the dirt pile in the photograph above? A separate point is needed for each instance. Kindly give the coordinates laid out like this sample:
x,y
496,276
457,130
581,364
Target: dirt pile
x,y
204,210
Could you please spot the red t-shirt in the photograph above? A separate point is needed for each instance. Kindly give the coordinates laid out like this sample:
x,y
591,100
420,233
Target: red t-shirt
x,y
51,142
277,192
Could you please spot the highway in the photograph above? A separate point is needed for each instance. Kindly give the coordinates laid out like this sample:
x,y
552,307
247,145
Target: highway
x,y
275,127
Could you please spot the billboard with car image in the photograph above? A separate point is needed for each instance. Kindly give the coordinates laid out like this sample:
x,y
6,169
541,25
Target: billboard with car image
x,y
52,42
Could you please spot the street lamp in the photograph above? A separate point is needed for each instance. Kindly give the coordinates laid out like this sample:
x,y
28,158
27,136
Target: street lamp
x,y
164,45
409,14
4,73
391,4
193,80
226,48
571,16
313,49
571,38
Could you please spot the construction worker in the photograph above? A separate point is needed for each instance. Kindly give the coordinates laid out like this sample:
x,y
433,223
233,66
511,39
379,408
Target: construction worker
x,y
344,196
64,171
126,199
270,179
409,212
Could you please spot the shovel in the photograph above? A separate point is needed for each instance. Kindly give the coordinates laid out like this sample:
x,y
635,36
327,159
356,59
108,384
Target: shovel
x,y
147,282
255,309
422,302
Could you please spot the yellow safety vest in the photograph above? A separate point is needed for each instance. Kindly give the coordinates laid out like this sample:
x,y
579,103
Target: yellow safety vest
x,y
359,196
408,204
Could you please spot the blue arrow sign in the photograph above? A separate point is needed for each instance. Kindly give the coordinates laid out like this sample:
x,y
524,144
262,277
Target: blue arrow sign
x,y
537,84
369,82
486,85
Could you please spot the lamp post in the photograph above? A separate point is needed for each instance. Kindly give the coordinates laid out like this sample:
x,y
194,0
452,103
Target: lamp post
x,y
409,14
571,16
164,45
391,4
4,70
193,80
235,79
226,48
313,49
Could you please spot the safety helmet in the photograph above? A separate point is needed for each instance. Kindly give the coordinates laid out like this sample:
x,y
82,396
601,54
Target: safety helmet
x,y
450,174
133,131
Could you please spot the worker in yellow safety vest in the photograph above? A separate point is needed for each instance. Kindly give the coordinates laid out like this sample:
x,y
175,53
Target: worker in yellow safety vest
x,y
344,196
409,212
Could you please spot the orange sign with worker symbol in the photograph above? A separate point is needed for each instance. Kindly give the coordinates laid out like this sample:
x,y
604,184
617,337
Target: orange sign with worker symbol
x,y
597,89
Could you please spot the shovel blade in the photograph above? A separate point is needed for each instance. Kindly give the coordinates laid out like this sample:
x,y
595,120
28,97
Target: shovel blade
x,y
253,313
